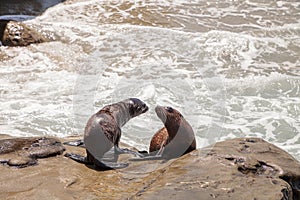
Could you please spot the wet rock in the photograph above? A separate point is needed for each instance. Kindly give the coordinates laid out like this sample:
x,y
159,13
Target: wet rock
x,y
232,169
3,24
28,7
13,33
23,152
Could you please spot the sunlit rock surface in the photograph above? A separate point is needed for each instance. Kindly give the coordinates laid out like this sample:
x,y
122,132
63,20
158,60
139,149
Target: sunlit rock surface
x,y
233,169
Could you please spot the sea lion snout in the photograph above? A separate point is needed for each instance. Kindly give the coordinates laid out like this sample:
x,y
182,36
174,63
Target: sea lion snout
x,y
160,112
168,114
144,108
137,107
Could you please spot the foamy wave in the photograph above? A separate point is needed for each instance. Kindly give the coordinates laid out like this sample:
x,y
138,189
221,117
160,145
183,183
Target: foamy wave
x,y
228,80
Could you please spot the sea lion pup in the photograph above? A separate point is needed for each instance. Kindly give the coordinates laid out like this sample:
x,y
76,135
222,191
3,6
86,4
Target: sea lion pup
x,y
174,140
103,131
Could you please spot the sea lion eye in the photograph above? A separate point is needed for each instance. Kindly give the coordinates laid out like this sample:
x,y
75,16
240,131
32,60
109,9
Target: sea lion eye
x,y
169,109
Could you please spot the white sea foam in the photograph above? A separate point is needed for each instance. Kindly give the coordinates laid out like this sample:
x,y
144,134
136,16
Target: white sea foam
x,y
227,82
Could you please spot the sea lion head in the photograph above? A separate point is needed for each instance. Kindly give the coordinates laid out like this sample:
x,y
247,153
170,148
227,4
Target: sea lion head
x,y
168,115
136,107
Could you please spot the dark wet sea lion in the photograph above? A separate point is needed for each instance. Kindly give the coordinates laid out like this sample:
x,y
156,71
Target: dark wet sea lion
x,y
103,131
22,152
174,140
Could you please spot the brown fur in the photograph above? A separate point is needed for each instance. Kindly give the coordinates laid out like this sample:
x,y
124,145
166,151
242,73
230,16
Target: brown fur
x,y
176,138
158,140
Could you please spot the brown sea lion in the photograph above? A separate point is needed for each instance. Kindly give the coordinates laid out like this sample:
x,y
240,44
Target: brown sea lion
x,y
103,131
174,140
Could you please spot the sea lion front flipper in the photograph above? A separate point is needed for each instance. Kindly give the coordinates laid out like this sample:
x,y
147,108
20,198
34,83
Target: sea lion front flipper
x,y
155,157
118,150
77,158
76,143
109,165
144,152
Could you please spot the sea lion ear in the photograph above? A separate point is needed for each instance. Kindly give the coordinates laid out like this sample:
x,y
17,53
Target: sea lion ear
x,y
130,101
133,105
134,101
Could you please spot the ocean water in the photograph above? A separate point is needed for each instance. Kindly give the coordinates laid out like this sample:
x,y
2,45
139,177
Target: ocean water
x,y
232,68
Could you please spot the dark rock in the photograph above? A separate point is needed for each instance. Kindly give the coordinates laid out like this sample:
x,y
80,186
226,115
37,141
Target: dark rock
x,y
28,7
3,24
294,181
22,152
14,33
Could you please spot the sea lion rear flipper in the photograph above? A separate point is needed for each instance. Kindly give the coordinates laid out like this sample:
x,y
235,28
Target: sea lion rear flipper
x,y
76,143
99,164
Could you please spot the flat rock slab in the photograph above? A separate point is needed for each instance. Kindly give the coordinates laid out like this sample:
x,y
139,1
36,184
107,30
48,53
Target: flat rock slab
x,y
234,169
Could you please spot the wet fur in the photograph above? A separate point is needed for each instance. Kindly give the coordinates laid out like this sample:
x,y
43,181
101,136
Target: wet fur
x,y
176,138
103,131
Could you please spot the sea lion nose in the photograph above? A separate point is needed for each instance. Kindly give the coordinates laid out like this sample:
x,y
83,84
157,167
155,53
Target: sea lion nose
x,y
160,113
158,108
145,108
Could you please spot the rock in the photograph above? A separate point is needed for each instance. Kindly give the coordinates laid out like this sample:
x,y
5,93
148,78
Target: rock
x,y
233,169
28,7
3,24
13,33
22,152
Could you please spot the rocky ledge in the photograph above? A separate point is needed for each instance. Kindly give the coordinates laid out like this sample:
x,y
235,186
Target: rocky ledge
x,y
242,168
